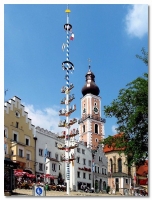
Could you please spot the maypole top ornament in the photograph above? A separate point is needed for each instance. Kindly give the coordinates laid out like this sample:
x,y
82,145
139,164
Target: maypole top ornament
x,y
67,10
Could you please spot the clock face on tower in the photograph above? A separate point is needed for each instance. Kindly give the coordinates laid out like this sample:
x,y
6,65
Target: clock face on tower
x,y
84,110
95,109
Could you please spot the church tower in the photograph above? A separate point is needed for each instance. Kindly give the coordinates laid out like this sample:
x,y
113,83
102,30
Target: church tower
x,y
91,125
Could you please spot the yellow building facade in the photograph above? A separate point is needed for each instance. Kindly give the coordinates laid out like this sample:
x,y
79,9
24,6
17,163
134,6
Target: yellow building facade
x,y
18,134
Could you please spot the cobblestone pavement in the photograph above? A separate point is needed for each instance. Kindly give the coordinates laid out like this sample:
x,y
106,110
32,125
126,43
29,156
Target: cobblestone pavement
x,y
23,192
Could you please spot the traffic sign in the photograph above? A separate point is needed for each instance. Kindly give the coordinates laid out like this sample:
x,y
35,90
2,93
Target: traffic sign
x,y
39,191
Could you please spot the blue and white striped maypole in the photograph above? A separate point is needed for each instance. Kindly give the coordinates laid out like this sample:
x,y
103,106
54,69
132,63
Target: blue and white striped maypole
x,y
70,144
68,66
67,109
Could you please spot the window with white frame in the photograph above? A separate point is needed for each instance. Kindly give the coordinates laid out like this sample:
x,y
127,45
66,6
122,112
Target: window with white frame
x,y
95,169
17,125
89,176
126,181
53,167
78,174
78,150
84,161
27,156
56,156
83,128
40,167
98,169
49,154
27,140
6,148
15,137
89,163
56,144
40,152
96,128
78,159
83,151
20,153
84,175
5,132
17,114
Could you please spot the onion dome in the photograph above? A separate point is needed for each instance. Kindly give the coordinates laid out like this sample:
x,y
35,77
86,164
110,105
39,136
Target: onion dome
x,y
90,87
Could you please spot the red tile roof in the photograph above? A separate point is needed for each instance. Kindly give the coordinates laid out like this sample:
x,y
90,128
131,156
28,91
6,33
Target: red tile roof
x,y
112,148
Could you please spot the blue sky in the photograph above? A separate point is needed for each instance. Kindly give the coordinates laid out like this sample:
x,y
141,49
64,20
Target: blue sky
x,y
110,35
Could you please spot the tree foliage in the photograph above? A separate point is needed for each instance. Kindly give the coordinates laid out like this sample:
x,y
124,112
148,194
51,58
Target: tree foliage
x,y
131,111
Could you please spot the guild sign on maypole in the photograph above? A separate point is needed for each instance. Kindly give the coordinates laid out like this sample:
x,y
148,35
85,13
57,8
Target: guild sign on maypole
x,y
68,134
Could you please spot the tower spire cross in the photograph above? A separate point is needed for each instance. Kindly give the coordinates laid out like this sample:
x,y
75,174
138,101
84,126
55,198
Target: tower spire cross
x,y
89,60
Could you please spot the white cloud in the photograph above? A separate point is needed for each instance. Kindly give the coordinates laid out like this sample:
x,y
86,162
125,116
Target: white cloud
x,y
137,20
47,118
114,129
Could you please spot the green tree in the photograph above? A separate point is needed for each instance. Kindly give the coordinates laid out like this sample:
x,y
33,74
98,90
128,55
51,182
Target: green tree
x,y
131,111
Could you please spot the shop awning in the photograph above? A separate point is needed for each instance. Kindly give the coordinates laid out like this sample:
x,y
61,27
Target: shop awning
x,y
31,175
47,176
143,181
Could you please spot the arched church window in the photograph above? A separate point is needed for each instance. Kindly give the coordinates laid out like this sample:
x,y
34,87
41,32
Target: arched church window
x,y
119,165
83,128
111,166
96,128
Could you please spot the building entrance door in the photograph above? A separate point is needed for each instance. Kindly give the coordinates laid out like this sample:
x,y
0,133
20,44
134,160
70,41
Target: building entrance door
x,y
100,185
117,184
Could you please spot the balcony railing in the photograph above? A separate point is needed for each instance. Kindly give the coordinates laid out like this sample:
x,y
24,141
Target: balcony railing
x,y
17,142
18,158
88,116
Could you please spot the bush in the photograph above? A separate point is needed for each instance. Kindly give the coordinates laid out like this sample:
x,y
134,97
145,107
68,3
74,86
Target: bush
x,y
96,185
108,189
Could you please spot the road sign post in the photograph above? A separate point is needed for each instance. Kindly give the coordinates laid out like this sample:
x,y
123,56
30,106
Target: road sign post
x,y
39,191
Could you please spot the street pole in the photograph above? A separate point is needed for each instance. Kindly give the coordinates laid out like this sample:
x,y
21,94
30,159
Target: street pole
x,y
94,182
45,163
35,138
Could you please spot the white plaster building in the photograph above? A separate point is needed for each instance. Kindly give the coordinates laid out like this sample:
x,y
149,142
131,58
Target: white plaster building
x,y
100,172
81,168
82,171
53,160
